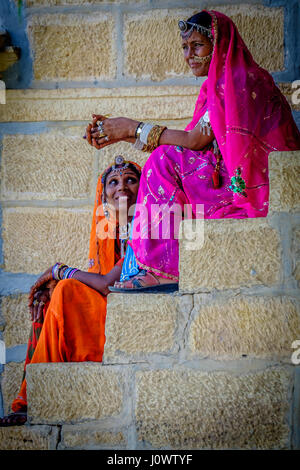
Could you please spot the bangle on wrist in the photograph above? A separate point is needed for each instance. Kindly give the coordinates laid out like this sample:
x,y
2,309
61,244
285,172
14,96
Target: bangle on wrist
x,y
138,145
154,136
145,132
62,271
69,273
147,136
138,130
56,270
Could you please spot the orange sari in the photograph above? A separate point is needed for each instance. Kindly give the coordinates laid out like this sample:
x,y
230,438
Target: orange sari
x,y
73,329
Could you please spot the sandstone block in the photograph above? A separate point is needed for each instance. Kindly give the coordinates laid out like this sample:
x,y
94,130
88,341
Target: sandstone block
x,y
73,392
11,380
28,438
147,103
153,44
262,29
260,327
35,238
284,172
231,253
142,324
46,166
16,318
188,409
70,37
90,437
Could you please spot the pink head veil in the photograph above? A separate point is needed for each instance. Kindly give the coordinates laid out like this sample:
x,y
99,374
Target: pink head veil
x,y
249,115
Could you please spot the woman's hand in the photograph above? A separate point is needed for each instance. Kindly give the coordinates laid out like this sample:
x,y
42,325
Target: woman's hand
x,y
43,279
115,130
40,298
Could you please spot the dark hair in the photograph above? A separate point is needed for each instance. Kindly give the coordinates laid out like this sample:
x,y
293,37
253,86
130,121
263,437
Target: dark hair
x,y
202,18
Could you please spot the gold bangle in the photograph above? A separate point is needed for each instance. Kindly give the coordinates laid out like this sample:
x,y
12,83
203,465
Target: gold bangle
x,y
148,149
154,136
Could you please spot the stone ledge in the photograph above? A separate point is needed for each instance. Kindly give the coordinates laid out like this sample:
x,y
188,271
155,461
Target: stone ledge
x,y
80,103
187,409
28,438
91,437
138,326
229,254
11,380
229,328
61,393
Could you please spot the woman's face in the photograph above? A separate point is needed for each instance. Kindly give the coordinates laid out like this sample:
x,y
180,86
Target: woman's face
x,y
197,45
125,185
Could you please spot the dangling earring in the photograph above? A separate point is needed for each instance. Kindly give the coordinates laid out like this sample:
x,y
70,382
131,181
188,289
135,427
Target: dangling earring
x,y
105,208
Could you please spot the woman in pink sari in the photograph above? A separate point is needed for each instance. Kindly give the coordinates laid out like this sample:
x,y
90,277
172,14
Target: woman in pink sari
x,y
219,161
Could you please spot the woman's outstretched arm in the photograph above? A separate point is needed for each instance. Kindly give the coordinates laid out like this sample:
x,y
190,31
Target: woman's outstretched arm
x,y
117,129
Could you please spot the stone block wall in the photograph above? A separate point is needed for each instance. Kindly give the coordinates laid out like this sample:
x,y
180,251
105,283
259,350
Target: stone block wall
x,y
209,367
232,325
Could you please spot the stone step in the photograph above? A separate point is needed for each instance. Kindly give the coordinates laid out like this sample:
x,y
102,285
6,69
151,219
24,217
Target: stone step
x,y
174,407
29,438
234,253
223,327
74,392
229,254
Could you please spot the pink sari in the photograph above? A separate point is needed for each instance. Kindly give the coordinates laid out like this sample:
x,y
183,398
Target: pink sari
x,y
250,118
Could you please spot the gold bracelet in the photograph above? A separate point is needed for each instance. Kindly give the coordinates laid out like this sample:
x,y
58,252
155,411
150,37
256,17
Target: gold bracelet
x,y
154,136
147,148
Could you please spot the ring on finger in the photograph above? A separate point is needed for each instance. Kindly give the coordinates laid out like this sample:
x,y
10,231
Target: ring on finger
x,y
100,127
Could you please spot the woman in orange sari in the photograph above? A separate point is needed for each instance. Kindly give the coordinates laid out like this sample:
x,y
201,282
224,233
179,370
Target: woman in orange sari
x,y
68,306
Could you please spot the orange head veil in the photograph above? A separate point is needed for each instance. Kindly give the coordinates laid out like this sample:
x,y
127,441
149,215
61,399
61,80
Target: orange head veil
x,y
102,256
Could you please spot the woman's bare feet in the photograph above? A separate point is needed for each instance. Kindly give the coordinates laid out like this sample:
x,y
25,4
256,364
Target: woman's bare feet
x,y
13,419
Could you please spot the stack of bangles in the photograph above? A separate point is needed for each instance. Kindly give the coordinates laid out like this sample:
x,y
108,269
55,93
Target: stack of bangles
x,y
61,271
147,136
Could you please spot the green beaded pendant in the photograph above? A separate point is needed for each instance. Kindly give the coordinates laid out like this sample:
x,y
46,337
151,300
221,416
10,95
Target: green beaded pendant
x,y
238,183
